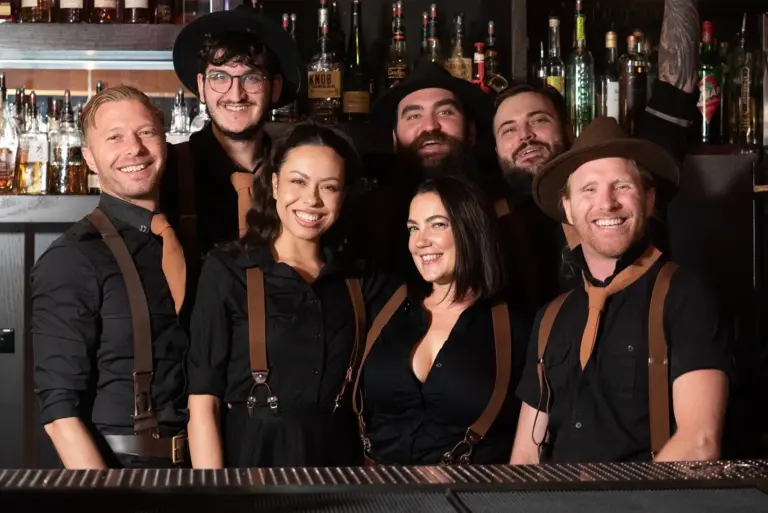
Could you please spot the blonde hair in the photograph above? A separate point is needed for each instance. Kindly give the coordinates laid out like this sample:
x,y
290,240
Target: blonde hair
x,y
114,94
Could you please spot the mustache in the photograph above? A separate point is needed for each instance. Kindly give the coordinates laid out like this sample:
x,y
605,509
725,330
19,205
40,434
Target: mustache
x,y
438,137
531,144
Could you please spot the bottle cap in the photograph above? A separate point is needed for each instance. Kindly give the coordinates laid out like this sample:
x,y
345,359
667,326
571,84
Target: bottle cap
x,y
554,21
610,39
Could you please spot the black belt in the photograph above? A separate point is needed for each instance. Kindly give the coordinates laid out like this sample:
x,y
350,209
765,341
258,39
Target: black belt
x,y
173,448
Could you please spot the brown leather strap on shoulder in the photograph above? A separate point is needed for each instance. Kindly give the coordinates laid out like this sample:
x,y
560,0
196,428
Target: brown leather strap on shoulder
x,y
187,232
358,306
658,361
381,320
257,324
545,330
144,417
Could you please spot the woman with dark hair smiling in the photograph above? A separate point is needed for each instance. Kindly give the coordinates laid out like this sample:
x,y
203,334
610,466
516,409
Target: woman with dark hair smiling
x,y
278,321
444,354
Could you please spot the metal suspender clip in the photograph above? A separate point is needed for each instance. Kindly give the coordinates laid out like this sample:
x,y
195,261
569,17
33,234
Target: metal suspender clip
x,y
260,379
462,452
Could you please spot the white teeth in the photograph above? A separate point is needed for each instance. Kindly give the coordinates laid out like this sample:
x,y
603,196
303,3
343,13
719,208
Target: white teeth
x,y
133,169
609,222
235,108
430,258
309,218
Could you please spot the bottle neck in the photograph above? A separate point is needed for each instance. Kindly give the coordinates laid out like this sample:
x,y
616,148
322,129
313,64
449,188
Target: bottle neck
x,y
554,41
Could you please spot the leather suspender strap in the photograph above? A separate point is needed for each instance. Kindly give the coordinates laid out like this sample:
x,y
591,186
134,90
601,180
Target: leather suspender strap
x,y
257,338
658,362
381,320
502,340
545,329
144,417
185,173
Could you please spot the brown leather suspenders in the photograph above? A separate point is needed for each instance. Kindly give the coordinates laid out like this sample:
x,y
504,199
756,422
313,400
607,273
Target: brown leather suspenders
x,y
257,338
144,417
502,334
658,363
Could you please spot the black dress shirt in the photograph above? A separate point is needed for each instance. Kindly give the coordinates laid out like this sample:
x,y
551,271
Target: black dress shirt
x,y
602,413
81,327
414,423
310,335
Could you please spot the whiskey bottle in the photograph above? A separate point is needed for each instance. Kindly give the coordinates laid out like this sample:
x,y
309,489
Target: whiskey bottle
x,y
9,142
555,66
163,14
356,99
324,83
8,12
493,77
710,81
744,93
68,172
458,65
580,78
434,54
633,86
72,11
136,11
608,87
36,11
32,170
104,11
397,66
287,113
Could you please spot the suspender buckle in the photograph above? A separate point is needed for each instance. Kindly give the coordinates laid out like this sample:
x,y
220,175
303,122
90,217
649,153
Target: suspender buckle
x,y
260,380
461,453
347,381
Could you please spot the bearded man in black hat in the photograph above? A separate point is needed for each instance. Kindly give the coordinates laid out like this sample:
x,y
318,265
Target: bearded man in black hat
x,y
635,336
240,65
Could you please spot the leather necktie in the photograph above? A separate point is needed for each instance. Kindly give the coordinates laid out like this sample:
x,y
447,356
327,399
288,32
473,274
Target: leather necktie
x,y
243,184
174,264
599,295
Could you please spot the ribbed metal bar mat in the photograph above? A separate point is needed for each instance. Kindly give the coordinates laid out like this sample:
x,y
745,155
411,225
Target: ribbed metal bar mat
x,y
616,474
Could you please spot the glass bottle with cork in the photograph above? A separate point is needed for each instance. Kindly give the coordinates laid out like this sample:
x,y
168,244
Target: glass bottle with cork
x,y
555,66
608,86
356,99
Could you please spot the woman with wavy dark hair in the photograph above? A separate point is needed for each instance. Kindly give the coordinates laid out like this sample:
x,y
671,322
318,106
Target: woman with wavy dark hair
x,y
447,350
278,319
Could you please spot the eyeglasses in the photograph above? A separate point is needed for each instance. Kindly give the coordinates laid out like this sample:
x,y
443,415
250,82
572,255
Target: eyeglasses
x,y
221,81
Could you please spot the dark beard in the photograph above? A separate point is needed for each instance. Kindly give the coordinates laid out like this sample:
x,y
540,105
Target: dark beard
x,y
248,134
411,157
509,169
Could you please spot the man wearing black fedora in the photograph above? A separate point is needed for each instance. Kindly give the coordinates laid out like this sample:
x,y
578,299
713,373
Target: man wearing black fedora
x,y
240,65
637,337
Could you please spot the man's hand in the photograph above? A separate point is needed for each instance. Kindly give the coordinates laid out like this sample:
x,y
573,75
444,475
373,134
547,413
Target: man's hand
x,y
678,47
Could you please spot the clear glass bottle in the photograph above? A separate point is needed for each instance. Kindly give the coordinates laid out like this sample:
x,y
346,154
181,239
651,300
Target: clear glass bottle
x,y
68,172
608,86
397,66
493,76
580,79
179,131
9,142
32,169
555,66
744,92
200,120
325,81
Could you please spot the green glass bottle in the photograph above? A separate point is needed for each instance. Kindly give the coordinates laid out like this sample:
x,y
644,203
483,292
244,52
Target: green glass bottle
x,y
357,83
580,79
710,82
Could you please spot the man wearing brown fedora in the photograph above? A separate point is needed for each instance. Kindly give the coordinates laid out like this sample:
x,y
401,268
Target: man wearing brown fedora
x,y
637,338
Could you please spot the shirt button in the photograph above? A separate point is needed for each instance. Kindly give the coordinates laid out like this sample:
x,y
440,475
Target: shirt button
x,y
315,372
318,336
630,348
438,365
578,425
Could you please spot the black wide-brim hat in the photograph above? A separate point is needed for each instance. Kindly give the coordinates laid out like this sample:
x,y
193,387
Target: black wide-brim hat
x,y
603,138
242,19
477,104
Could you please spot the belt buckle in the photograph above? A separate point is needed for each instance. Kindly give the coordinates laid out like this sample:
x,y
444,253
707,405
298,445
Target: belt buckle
x,y
177,454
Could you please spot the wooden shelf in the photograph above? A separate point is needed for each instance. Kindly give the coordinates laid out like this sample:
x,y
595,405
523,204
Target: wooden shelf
x,y
84,37
45,209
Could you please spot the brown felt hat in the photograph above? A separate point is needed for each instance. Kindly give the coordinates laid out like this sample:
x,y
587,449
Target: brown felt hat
x,y
603,138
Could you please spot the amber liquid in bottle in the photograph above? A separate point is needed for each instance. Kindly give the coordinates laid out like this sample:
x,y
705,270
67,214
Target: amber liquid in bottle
x,y
72,11
35,11
136,11
164,12
104,11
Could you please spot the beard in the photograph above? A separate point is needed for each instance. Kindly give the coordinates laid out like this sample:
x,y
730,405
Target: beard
x,y
509,167
430,163
248,134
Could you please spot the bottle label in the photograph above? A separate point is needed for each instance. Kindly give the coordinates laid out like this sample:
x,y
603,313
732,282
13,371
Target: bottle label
x,y
324,84
460,67
28,3
93,181
5,9
395,75
612,100
357,102
556,82
71,4
105,4
37,151
7,164
580,28
136,4
709,97
746,82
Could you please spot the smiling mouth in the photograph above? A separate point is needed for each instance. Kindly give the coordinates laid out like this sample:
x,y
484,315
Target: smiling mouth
x,y
531,151
430,258
613,222
134,169
236,107
307,219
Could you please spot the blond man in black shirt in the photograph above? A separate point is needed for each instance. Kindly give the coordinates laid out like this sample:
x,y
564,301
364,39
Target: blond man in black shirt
x,y
611,359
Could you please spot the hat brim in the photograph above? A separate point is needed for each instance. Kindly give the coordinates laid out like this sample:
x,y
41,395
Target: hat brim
x,y
191,38
477,104
549,184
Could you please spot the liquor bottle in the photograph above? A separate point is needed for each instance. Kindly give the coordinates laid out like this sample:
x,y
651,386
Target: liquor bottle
x,y
744,92
8,14
555,66
336,33
104,11
72,11
163,14
397,66
725,92
54,116
9,142
179,131
256,5
424,34
36,11
136,11
287,113
580,78
608,87
68,172
324,83
633,86
434,54
478,61
458,65
710,80
32,170
493,77
18,109
539,72
356,100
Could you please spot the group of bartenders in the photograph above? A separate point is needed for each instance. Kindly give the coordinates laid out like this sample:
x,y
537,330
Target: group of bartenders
x,y
141,361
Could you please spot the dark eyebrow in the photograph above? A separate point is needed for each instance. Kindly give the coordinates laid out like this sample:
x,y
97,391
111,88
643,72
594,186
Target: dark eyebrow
x,y
436,217
300,173
410,108
448,101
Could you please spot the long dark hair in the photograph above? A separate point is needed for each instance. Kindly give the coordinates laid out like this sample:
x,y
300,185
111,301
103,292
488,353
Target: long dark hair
x,y
479,268
263,222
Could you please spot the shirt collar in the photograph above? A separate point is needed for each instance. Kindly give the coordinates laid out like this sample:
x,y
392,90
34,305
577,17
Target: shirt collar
x,y
218,156
261,257
635,251
130,214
